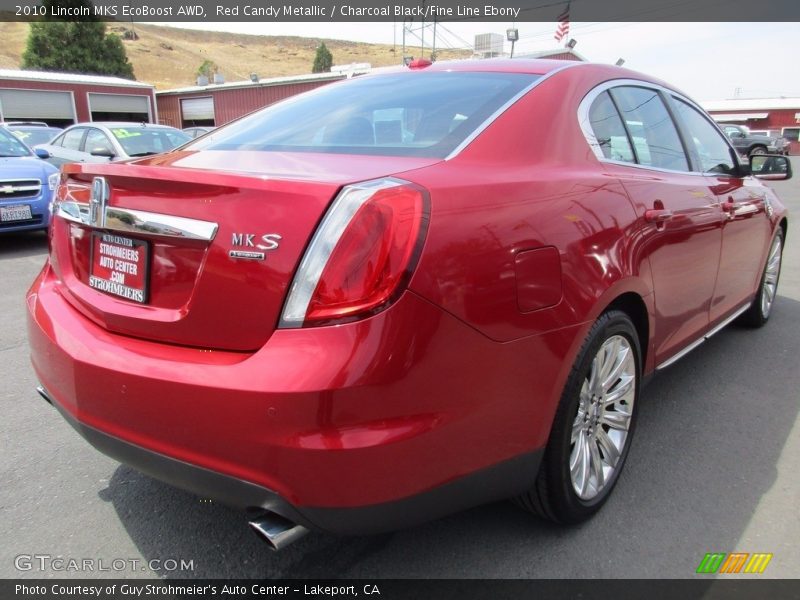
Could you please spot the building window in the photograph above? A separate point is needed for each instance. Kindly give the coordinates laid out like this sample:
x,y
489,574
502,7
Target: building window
x,y
791,133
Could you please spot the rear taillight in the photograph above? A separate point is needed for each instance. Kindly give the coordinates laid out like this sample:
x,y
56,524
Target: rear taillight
x,y
361,256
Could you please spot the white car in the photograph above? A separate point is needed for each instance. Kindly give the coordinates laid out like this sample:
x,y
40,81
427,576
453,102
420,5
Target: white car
x,y
112,141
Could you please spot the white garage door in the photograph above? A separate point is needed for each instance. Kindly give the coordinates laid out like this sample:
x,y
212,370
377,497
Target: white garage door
x,y
118,103
198,109
32,105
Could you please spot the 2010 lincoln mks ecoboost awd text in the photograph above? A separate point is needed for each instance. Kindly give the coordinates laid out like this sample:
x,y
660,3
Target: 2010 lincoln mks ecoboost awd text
x,y
404,294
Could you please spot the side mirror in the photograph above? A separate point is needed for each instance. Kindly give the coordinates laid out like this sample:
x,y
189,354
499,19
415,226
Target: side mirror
x,y
41,153
771,167
104,152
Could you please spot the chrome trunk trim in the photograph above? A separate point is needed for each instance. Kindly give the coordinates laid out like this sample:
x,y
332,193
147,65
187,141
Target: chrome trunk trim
x,y
127,220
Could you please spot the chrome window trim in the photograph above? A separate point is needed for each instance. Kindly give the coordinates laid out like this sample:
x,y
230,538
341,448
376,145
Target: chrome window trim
x,y
591,139
127,220
496,114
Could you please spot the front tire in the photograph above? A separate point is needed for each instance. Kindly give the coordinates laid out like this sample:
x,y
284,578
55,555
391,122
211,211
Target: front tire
x,y
593,426
761,308
758,150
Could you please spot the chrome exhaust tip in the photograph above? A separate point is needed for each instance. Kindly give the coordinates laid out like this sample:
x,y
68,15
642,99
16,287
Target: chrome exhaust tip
x,y
43,394
276,530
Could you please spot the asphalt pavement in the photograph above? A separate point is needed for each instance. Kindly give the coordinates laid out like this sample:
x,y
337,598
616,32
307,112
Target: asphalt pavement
x,y
714,468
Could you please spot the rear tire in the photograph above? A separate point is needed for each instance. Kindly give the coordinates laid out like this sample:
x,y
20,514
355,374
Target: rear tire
x,y
593,426
761,308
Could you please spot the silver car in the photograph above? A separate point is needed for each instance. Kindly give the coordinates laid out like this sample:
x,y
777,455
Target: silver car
x,y
112,141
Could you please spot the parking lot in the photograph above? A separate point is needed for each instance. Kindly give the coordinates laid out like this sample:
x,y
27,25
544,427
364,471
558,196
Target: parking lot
x,y
713,468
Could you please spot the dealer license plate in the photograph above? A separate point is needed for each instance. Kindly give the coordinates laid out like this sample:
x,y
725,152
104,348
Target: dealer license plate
x,y
119,266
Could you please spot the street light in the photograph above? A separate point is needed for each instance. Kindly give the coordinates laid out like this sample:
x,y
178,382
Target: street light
x,y
512,35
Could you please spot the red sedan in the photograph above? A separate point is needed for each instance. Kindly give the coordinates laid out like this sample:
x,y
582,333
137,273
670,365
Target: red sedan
x,y
404,294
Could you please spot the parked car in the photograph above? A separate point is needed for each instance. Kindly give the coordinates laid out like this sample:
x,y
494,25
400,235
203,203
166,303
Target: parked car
x,y
33,133
112,141
26,185
194,132
748,143
353,333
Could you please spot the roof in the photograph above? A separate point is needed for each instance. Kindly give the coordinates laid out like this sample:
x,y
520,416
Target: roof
x,y
502,65
70,78
211,87
759,104
735,117
553,53
515,65
121,124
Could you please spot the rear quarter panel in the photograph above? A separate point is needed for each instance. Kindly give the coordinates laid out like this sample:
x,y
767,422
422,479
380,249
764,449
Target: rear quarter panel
x,y
529,181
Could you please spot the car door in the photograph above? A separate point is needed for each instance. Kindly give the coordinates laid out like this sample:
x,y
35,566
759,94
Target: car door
x,y
97,140
746,230
67,146
680,232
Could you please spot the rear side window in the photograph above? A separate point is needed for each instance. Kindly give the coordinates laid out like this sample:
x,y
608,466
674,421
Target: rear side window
x,y
608,129
72,138
403,114
712,149
655,139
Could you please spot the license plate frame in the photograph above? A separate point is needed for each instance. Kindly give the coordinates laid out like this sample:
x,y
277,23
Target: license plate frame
x,y
117,255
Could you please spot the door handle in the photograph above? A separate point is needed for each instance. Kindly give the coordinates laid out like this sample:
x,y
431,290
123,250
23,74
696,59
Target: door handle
x,y
657,215
731,206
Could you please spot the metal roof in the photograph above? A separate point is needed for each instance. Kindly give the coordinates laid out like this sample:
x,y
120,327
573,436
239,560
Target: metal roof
x,y
732,117
555,52
70,78
211,87
759,104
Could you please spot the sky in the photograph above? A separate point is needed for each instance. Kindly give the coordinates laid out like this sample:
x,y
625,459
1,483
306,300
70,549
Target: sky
x,y
708,61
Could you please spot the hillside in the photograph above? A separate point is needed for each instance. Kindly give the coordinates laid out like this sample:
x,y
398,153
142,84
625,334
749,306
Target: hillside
x,y
168,57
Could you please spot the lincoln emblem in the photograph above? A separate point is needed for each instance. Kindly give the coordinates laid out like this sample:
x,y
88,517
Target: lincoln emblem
x,y
97,202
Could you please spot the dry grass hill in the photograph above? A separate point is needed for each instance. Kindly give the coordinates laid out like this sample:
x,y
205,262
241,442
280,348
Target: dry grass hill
x,y
169,57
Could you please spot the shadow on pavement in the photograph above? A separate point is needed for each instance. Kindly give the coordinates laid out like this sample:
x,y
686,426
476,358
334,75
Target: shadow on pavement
x,y
22,244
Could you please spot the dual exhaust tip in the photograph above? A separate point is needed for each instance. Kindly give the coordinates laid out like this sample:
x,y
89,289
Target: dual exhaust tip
x,y
277,531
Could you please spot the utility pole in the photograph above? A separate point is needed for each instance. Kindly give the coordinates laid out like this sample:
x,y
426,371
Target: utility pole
x,y
433,52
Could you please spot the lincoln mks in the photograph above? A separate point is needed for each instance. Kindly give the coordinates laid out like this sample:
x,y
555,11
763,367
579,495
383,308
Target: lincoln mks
x,y
404,294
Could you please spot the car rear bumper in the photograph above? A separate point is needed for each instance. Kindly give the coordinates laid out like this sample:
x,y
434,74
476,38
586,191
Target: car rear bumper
x,y
492,483
357,428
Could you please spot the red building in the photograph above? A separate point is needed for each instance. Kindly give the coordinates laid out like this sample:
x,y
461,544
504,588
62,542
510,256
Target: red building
x,y
64,98
774,116
217,104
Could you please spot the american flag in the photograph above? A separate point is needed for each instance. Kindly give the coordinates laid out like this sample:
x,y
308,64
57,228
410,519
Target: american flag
x,y
562,30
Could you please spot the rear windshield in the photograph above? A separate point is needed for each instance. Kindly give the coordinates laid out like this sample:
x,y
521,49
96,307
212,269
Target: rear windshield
x,y
404,114
35,135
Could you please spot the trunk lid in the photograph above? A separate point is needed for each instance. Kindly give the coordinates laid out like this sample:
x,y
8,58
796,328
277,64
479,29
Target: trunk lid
x,y
198,249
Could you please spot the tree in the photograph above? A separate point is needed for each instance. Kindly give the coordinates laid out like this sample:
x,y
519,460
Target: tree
x,y
323,60
208,69
75,46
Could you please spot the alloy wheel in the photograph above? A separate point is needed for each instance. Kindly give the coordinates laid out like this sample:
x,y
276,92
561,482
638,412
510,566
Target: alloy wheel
x,y
601,425
770,286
